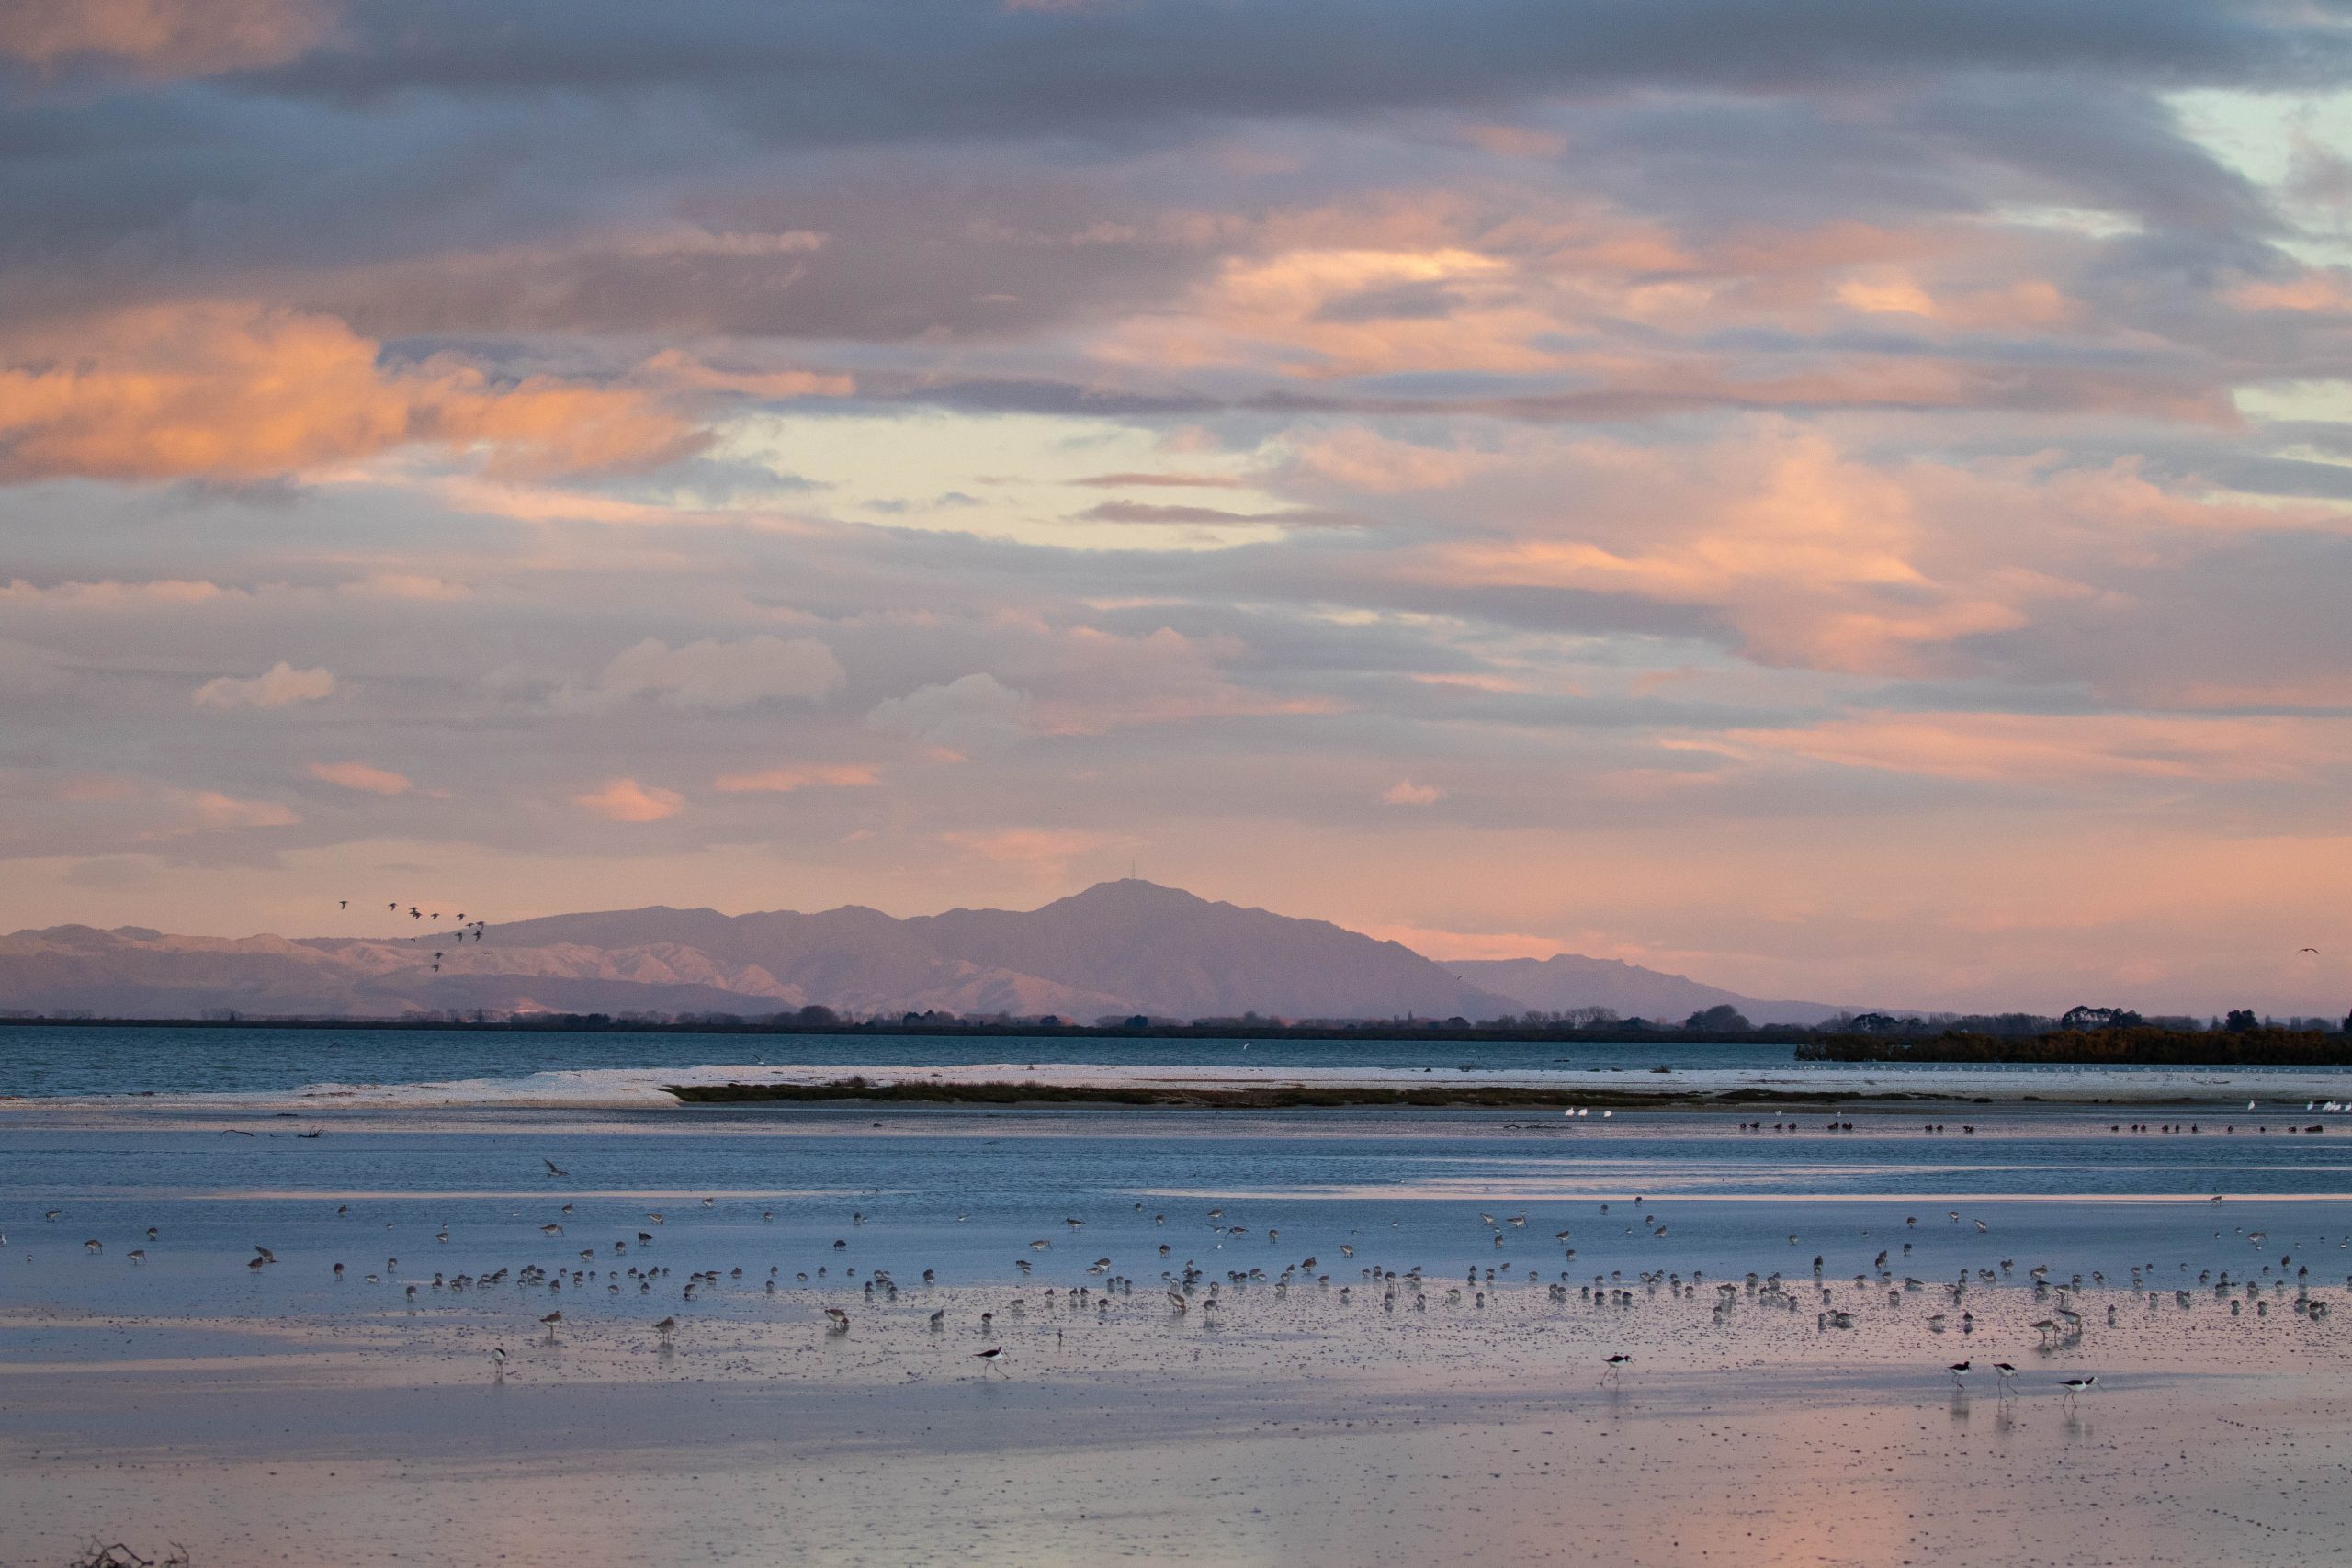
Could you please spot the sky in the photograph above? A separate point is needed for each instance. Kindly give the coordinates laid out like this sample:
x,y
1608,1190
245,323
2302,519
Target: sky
x,y
1843,499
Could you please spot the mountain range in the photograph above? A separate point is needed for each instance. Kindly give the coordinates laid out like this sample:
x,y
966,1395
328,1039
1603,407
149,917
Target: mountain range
x,y
1117,950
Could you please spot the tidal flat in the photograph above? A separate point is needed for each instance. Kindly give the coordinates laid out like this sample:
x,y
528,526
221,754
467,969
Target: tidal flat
x,y
1409,1349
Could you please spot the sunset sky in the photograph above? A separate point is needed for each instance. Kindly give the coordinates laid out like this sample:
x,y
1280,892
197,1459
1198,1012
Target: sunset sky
x,y
1844,499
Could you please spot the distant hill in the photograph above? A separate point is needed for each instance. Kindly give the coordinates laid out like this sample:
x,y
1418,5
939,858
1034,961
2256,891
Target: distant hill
x,y
1563,981
1118,949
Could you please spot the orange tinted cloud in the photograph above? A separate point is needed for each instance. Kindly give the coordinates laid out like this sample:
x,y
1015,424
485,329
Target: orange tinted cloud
x,y
210,808
162,38
1042,848
1820,560
626,800
2042,748
362,777
785,780
244,391
2320,291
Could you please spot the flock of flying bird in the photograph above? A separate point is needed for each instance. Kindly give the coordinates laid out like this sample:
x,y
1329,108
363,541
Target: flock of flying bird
x,y
463,928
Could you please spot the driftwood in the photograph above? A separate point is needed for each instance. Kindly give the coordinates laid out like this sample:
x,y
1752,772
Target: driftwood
x,y
99,1555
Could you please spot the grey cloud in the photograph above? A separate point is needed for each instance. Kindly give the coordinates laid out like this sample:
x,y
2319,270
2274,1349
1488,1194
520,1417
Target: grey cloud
x,y
1400,302
828,72
969,712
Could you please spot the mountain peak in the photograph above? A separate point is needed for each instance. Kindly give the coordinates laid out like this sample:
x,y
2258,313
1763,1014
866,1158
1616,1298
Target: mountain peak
x,y
1133,892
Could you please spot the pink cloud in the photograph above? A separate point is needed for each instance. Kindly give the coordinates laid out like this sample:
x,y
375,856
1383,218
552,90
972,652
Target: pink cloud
x,y
276,687
1819,559
787,779
2046,748
360,777
210,808
626,800
163,38
229,391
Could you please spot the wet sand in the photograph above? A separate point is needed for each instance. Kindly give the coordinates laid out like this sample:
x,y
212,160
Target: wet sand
x,y
275,1415
1296,1429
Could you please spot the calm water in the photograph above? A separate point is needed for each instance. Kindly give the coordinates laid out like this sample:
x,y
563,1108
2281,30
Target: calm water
x,y
965,1191
287,1406
43,1062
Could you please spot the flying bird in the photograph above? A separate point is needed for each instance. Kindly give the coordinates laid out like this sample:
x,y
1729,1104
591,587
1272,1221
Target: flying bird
x,y
553,1168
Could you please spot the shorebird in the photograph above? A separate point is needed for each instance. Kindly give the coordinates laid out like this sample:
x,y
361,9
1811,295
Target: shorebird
x,y
1958,1370
1615,1364
665,1329
551,1320
836,1321
2006,1373
498,1364
2078,1385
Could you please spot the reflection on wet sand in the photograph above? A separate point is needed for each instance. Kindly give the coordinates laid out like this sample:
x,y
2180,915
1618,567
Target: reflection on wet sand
x,y
1408,1355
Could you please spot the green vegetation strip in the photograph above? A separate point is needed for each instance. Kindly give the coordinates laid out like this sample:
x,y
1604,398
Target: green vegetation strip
x,y
2141,1048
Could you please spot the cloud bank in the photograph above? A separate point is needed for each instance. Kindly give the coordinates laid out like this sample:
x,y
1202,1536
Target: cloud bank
x,y
1841,499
